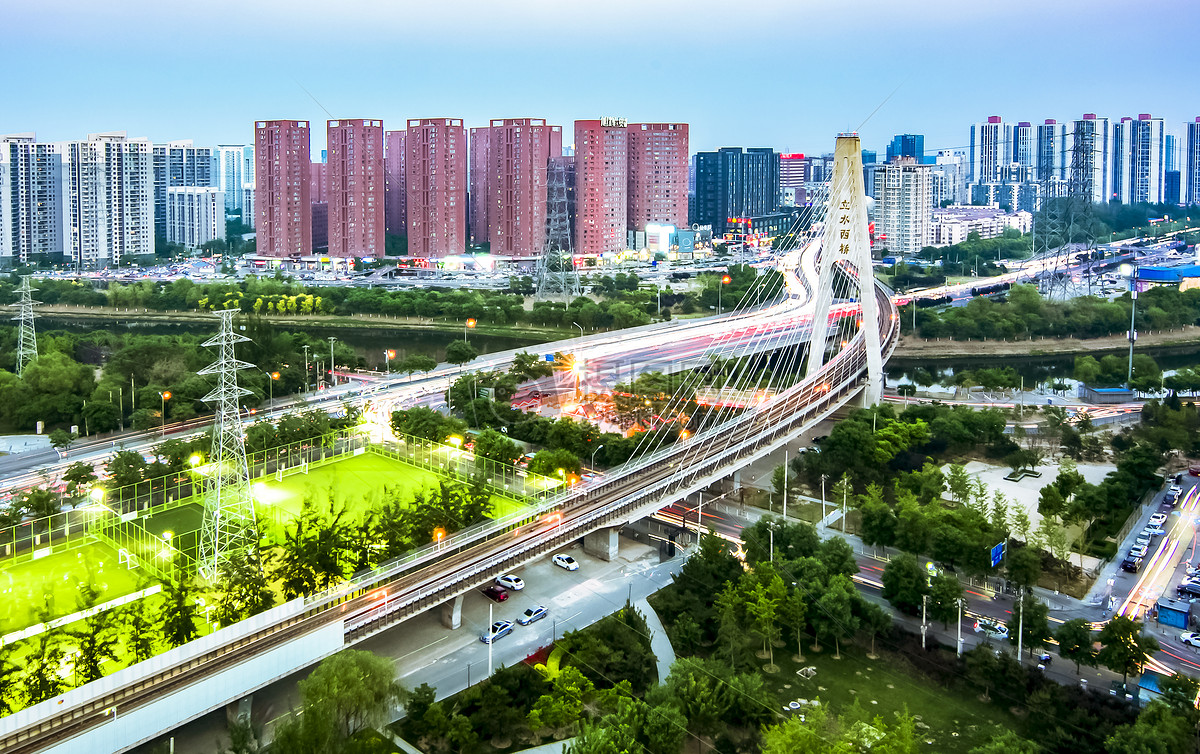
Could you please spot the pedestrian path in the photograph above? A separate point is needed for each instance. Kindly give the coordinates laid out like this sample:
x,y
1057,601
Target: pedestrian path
x,y
660,643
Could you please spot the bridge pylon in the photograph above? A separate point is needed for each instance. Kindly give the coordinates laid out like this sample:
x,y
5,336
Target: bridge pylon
x,y
845,273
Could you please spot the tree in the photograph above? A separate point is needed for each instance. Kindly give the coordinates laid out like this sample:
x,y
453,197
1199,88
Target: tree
x,y
126,468
1032,618
1007,742
838,557
874,620
555,463
959,483
79,474
9,676
244,589
833,615
460,352
1024,566
357,689
40,502
60,439
764,611
1075,643
178,612
905,583
1123,647
495,446
139,631
793,613
42,665
944,593
562,708
96,640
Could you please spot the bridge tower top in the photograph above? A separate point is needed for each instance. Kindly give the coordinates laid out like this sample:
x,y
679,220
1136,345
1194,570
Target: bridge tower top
x,y
845,272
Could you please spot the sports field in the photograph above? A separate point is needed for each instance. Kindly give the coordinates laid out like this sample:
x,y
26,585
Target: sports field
x,y
357,483
54,582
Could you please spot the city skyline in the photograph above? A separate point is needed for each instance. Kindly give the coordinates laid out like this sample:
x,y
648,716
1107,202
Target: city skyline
x,y
683,74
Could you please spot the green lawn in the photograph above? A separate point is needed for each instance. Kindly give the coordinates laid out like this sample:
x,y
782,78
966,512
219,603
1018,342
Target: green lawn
x,y
957,721
357,483
183,523
55,579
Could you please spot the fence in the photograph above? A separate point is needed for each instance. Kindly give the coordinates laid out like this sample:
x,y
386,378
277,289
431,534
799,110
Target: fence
x,y
505,479
43,536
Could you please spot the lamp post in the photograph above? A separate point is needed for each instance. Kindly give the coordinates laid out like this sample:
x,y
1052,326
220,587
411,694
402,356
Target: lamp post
x,y
306,375
1131,271
594,452
725,280
274,376
332,379
468,325
166,396
580,328
388,353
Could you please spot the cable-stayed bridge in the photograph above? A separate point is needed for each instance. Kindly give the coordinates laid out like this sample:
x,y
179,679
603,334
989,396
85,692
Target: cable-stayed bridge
x,y
827,328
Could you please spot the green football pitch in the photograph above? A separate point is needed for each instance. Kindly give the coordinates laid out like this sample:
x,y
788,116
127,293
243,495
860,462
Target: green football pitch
x,y
53,582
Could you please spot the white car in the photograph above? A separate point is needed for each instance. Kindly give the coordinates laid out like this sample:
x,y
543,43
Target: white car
x,y
510,582
1158,519
991,628
1190,638
1137,551
562,560
498,630
535,613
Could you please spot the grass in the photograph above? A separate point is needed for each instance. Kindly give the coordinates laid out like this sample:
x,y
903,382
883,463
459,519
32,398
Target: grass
x,y
54,581
957,722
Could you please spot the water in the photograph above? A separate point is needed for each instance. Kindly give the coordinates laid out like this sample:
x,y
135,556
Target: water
x,y
369,342
1035,369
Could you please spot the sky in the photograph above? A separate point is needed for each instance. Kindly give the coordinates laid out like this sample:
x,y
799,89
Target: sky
x,y
788,75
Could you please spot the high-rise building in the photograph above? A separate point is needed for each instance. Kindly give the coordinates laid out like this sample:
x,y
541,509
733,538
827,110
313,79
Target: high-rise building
x,y
907,145
1137,161
283,206
953,165
318,182
1170,152
732,183
1024,146
109,199
355,160
601,185
1090,157
435,166
904,205
509,162
480,167
195,215
178,163
395,196
991,149
658,162
793,177
33,209
235,168
1053,160
1190,174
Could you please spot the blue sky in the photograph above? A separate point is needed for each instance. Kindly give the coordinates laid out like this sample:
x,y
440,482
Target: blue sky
x,y
789,75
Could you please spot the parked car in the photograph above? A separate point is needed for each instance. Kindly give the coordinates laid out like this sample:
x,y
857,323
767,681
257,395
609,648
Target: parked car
x,y
498,630
1157,519
990,628
1138,551
510,582
533,614
1188,590
1131,564
1191,638
1175,490
496,593
1143,540
562,560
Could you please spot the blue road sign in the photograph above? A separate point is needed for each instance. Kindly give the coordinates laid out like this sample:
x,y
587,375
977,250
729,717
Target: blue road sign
x,y
997,554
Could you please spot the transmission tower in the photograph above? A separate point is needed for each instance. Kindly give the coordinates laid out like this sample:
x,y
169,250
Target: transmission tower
x,y
229,528
556,275
26,337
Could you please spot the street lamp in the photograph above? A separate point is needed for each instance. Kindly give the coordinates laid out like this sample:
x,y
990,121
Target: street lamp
x,y
725,280
166,396
306,375
332,378
594,452
468,325
274,376
388,354
1131,271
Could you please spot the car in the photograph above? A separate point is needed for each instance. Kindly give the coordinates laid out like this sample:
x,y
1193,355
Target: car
x,y
1175,490
562,560
1191,638
1191,590
498,630
1157,519
1138,551
1143,540
991,629
533,614
510,582
1153,530
496,593
1131,564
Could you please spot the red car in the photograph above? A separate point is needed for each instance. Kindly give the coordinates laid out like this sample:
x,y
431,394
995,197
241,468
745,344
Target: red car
x,y
496,593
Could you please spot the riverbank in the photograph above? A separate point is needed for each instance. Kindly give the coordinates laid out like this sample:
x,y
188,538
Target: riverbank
x,y
532,333
926,350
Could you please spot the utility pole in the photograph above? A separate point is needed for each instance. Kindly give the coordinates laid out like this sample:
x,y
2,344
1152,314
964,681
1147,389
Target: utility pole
x,y
784,482
490,643
307,376
1020,621
700,515
333,381
1132,321
772,533
924,625
961,601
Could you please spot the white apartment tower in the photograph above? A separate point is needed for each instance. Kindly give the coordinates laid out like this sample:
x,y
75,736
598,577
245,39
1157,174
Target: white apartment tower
x,y
109,199
235,168
991,149
1137,162
1053,159
195,215
32,210
904,205
1190,177
1096,163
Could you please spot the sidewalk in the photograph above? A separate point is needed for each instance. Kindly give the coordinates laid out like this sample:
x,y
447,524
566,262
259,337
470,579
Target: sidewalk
x,y
660,643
